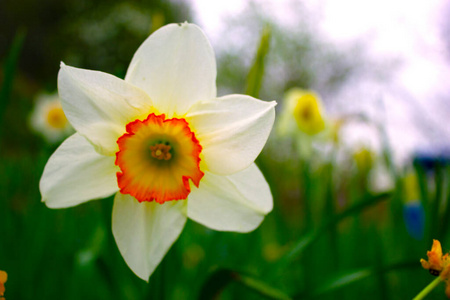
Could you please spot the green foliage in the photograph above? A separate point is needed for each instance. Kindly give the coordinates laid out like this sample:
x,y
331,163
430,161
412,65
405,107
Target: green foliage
x,y
99,35
255,76
9,71
329,236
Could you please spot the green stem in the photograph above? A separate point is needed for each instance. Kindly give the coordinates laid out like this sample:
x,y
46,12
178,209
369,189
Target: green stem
x,y
436,203
428,288
305,187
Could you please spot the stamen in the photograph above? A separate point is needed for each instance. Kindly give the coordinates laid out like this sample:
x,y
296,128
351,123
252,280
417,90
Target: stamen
x,y
161,151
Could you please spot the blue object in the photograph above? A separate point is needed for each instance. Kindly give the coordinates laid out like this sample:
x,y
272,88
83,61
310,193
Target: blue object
x,y
430,159
414,217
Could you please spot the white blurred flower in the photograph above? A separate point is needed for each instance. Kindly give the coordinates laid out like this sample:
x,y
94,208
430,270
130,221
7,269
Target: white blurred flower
x,y
48,119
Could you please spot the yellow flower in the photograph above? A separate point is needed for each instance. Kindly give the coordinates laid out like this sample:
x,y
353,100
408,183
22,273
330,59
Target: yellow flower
x,y
305,108
436,261
364,159
411,187
164,144
438,264
49,120
3,278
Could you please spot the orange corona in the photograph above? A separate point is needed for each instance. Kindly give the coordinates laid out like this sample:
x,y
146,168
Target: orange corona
x,y
157,158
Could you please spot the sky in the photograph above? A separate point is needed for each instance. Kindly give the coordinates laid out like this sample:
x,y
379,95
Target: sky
x,y
416,100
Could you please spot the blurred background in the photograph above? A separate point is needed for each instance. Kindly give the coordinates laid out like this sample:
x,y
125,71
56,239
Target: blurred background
x,y
358,160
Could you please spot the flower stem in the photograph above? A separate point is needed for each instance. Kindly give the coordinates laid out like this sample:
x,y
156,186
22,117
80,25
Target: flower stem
x,y
428,289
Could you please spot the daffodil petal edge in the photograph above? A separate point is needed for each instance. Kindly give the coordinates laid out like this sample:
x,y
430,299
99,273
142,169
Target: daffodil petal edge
x,y
235,202
76,173
232,131
176,66
144,232
99,105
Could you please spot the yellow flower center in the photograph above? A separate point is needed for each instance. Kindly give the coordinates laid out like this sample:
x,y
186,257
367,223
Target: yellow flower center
x,y
157,158
56,117
308,115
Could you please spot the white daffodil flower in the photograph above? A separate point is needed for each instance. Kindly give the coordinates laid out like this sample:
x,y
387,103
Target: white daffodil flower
x,y
164,144
49,120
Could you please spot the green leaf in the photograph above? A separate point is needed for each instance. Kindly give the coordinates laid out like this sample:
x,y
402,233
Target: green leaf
x,y
262,288
9,70
436,203
343,280
255,76
220,279
298,248
445,221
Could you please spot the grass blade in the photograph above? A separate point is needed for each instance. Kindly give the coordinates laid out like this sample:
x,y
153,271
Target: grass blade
x,y
255,76
9,70
262,288
342,280
296,250
220,279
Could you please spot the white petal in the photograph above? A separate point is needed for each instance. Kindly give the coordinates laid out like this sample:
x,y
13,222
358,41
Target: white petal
x,y
99,105
232,131
176,67
76,173
235,202
145,231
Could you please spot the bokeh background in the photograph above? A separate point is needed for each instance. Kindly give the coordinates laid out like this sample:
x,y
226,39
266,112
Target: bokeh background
x,y
356,204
